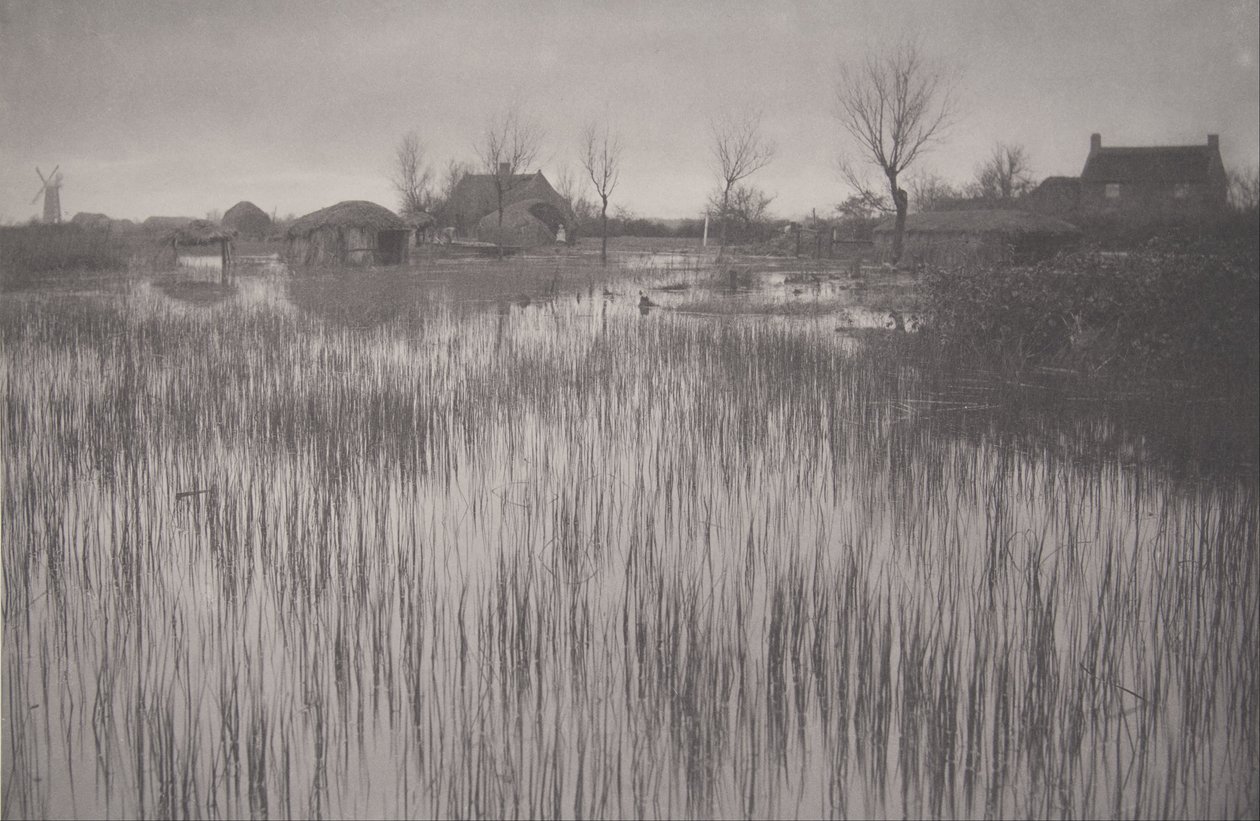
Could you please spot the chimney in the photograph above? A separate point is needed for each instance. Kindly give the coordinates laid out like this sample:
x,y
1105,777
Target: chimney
x,y
1214,141
1095,142
505,168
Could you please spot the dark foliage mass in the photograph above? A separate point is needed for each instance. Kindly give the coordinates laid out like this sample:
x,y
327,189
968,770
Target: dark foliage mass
x,y
1183,310
37,249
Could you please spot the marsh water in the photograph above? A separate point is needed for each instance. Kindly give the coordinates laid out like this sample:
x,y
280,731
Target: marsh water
x,y
395,545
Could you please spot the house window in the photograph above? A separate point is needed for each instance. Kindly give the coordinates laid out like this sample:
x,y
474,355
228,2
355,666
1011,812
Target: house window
x,y
1181,190
1113,191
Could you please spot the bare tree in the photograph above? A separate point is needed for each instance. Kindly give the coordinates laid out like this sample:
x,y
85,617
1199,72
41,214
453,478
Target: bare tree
x,y
893,106
928,192
1244,190
746,205
569,187
740,150
602,160
412,178
1005,175
508,146
567,184
440,204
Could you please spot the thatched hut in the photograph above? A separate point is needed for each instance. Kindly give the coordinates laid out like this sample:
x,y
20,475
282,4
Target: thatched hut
x,y
989,235
354,232
526,224
95,222
200,234
247,220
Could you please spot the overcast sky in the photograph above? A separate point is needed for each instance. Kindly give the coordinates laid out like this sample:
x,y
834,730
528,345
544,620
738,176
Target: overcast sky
x,y
180,109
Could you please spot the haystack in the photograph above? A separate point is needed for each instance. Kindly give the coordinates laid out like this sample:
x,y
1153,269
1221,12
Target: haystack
x,y
354,232
247,220
526,224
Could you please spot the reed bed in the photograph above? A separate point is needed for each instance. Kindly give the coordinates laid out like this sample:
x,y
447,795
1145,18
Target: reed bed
x,y
570,561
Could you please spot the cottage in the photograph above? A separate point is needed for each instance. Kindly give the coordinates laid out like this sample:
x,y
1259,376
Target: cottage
x,y
248,221
1147,183
475,196
990,235
354,232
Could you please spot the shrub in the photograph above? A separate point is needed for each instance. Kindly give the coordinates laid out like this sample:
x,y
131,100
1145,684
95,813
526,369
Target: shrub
x,y
39,249
1181,310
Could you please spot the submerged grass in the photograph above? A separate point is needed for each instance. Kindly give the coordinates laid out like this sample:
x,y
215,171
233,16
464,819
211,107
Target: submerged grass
x,y
572,561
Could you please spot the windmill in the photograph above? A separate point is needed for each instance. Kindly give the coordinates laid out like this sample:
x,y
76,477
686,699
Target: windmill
x,y
51,191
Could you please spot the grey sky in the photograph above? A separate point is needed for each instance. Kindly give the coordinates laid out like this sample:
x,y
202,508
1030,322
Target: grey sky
x,y
180,109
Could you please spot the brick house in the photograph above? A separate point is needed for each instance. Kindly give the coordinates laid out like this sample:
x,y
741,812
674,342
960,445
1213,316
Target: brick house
x,y
1140,183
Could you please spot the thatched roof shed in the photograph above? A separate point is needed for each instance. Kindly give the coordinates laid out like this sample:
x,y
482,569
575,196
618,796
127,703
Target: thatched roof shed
x,y
526,224
354,232
247,220
990,235
197,232
85,219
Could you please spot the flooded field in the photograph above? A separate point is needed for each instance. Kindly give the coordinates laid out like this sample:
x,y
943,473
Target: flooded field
x,y
537,539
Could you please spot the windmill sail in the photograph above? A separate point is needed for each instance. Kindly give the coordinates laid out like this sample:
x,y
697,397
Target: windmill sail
x,y
51,190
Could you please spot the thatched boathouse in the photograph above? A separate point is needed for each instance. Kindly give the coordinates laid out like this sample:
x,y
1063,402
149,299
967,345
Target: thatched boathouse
x,y
247,220
199,234
994,236
354,232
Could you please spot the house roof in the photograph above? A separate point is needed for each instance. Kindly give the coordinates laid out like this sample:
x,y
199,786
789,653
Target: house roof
x,y
357,213
1059,184
476,195
980,221
1168,164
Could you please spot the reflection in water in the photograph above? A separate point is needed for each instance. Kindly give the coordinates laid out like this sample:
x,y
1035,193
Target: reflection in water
x,y
464,557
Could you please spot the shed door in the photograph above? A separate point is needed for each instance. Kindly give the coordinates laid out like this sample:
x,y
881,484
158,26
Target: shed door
x,y
391,247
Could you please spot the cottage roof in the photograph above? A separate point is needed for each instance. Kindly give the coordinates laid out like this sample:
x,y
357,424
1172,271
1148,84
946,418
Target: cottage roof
x,y
1068,184
197,232
1165,164
476,194
356,213
980,221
